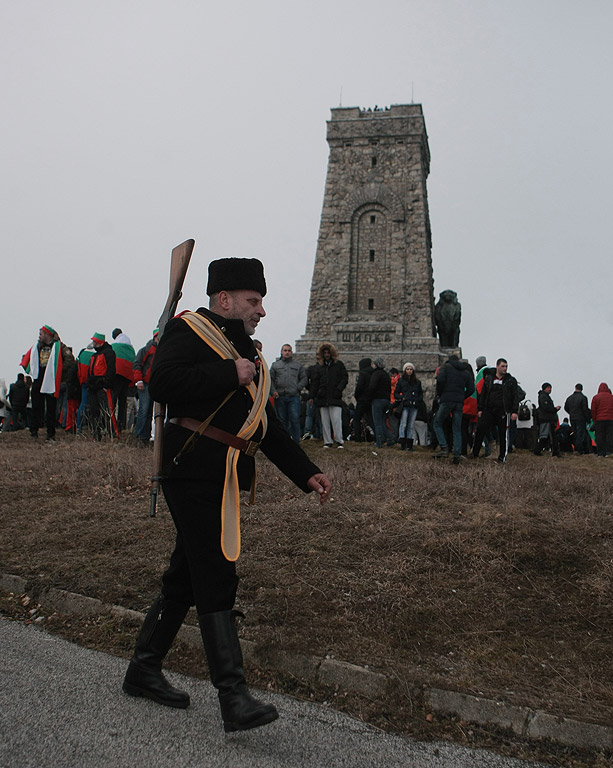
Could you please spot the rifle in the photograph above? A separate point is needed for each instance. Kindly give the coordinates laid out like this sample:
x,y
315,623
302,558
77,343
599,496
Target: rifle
x,y
179,262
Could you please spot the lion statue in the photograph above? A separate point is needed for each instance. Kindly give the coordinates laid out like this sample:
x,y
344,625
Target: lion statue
x,y
447,315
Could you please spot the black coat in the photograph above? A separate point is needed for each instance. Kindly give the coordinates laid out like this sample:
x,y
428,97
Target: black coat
x,y
510,393
328,382
380,387
454,382
410,392
193,380
19,394
362,384
576,406
547,413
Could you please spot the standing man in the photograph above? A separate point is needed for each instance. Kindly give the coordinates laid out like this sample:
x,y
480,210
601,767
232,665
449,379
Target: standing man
x,y
99,382
547,415
142,374
379,391
328,382
497,407
363,410
205,370
45,363
577,408
454,383
288,379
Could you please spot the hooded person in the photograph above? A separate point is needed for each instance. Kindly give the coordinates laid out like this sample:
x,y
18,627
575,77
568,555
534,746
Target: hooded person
x,y
215,386
602,414
327,385
362,417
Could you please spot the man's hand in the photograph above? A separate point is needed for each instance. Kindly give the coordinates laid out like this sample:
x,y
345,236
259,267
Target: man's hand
x,y
322,485
245,371
275,395
140,385
513,417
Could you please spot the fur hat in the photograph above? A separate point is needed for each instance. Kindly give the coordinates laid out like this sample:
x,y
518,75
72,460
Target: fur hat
x,y
407,365
235,275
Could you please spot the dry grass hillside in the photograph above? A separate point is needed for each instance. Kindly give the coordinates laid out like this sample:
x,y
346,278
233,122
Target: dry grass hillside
x,y
488,579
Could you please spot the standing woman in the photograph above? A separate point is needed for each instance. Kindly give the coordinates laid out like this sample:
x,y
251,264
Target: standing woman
x,y
409,391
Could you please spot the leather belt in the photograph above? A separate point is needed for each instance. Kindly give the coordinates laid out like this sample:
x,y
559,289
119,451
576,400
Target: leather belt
x,y
248,447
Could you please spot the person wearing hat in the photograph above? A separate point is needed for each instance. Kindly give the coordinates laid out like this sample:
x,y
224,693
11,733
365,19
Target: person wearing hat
x,y
410,393
216,388
46,362
142,374
100,378
547,414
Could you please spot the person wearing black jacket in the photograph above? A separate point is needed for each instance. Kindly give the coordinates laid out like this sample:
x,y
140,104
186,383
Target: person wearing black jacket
x,y
195,381
547,415
362,401
327,384
380,390
99,383
18,397
454,383
576,406
497,407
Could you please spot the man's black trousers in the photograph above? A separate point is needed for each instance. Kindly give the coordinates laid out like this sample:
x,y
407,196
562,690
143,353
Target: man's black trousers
x,y
498,421
198,573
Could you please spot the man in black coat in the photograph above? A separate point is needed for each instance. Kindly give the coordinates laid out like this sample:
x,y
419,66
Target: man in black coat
x,y
454,384
577,407
196,381
547,414
497,407
362,401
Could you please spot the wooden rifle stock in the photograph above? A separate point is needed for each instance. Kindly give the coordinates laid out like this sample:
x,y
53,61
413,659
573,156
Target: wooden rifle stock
x,y
179,262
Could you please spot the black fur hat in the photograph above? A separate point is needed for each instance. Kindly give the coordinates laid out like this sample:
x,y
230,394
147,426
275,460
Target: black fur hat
x,y
236,275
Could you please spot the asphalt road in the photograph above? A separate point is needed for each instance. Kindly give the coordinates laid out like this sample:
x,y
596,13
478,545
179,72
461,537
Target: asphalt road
x,y
61,705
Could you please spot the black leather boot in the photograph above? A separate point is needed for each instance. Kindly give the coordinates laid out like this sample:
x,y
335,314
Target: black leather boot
x,y
144,676
239,709
409,444
403,443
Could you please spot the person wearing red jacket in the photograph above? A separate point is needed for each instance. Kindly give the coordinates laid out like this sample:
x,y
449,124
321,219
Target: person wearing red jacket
x,y
602,415
142,374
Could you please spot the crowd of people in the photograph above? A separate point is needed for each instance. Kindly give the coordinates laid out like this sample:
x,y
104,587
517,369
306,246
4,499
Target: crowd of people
x,y
469,411
104,390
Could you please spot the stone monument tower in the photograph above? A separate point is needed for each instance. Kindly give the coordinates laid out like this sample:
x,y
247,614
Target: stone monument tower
x,y
372,290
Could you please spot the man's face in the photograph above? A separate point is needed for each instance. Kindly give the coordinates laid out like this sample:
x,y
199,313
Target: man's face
x,y
44,336
327,354
501,369
246,306
547,390
286,351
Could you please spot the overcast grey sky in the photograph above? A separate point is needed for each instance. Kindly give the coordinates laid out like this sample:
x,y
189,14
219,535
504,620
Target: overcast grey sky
x,y
130,126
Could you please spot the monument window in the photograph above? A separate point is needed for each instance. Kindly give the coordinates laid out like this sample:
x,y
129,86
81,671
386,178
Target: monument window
x,y
369,277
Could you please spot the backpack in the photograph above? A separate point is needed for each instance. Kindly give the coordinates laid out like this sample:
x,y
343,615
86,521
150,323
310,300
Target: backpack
x,y
523,414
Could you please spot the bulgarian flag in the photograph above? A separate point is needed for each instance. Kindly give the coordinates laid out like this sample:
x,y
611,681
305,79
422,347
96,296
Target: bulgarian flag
x,y
83,360
52,377
125,356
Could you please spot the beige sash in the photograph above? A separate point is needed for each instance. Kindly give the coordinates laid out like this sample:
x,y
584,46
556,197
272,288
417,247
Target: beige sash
x,y
210,333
